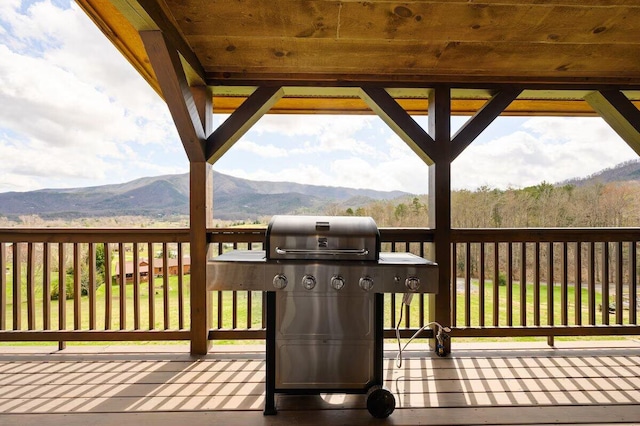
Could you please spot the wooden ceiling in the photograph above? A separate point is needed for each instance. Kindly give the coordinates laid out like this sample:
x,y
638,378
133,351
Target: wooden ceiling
x,y
558,51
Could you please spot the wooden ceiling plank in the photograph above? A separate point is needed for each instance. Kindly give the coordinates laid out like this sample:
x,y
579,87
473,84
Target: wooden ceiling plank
x,y
176,92
241,120
396,60
482,119
620,113
428,20
400,122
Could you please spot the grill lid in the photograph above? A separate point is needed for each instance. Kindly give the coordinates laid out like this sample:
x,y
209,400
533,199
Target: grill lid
x,y
323,237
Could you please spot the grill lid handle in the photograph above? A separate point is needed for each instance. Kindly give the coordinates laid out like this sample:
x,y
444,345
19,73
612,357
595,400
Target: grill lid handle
x,y
357,252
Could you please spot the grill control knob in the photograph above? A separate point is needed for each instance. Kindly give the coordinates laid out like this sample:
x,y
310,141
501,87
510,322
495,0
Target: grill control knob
x,y
366,283
337,282
280,281
308,282
412,283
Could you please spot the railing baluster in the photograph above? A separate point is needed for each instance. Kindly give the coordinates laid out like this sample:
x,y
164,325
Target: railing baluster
x,y
31,289
454,285
633,283
151,287
510,284
619,289
3,286
591,283
220,298
550,285
421,320
136,286
122,287
536,286
234,309
46,286
180,287
249,309
577,286
107,283
77,287
17,286
605,283
62,292
467,285
564,288
496,284
92,285
481,287
165,284
523,285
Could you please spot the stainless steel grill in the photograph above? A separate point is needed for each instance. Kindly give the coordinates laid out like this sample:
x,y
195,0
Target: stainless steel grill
x,y
325,277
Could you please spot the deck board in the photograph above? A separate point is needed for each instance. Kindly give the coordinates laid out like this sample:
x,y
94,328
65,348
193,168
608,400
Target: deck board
x,y
537,385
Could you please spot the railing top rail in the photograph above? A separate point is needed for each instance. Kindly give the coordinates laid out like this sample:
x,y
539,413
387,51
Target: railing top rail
x,y
257,234
533,235
93,235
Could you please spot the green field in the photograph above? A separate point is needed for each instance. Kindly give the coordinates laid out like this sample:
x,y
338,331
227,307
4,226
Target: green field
x,y
110,318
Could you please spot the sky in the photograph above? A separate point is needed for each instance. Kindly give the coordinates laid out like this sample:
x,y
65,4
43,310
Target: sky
x,y
75,113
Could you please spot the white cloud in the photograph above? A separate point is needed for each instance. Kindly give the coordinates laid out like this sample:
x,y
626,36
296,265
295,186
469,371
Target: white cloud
x,y
264,151
549,149
72,103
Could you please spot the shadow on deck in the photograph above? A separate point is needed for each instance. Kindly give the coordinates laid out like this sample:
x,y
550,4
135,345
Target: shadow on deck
x,y
529,383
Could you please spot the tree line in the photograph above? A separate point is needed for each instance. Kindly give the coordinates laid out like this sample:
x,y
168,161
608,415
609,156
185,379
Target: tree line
x,y
544,205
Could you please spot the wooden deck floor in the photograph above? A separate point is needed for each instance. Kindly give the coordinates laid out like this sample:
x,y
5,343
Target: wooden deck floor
x,y
574,383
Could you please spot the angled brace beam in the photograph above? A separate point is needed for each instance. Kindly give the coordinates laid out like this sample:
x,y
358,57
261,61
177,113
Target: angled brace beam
x,y
400,122
481,120
620,113
176,91
238,123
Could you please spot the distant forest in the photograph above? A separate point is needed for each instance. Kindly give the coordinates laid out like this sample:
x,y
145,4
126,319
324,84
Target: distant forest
x,y
615,204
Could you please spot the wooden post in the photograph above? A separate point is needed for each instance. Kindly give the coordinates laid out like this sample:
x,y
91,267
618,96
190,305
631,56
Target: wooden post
x,y
439,128
201,204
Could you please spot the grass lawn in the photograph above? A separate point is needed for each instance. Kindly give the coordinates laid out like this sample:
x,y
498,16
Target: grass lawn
x,y
242,307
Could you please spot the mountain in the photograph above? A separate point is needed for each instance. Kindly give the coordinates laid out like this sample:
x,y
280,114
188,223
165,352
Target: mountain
x,y
166,196
623,172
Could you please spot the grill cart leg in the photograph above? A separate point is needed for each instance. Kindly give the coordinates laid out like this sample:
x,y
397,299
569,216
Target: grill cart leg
x,y
270,382
380,402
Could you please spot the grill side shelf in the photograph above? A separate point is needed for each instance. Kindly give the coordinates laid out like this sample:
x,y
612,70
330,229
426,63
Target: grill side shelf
x,y
250,271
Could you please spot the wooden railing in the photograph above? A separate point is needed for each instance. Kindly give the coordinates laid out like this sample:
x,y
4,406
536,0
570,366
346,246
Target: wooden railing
x,y
51,288
67,285
550,282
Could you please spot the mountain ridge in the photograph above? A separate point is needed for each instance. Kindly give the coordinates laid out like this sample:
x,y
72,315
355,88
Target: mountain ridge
x,y
168,195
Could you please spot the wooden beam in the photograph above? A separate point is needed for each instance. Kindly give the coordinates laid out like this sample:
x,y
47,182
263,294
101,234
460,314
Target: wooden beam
x,y
201,218
481,120
238,123
400,122
620,113
176,91
203,98
440,203
150,15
